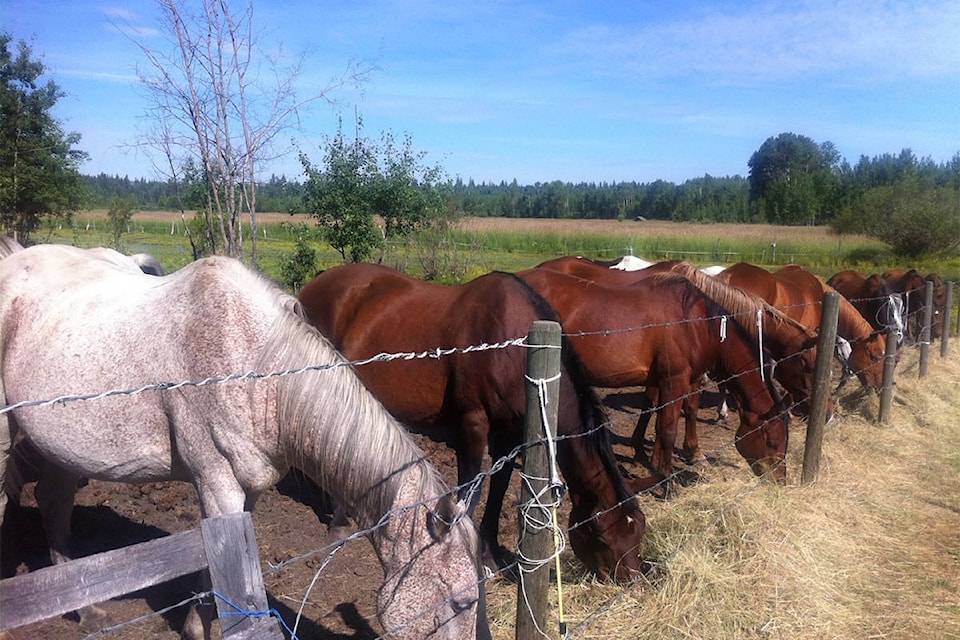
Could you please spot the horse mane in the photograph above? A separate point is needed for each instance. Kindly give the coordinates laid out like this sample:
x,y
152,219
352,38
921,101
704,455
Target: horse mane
x,y
732,300
8,246
591,411
366,451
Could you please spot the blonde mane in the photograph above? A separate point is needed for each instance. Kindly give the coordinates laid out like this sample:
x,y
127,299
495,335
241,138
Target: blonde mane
x,y
368,451
742,305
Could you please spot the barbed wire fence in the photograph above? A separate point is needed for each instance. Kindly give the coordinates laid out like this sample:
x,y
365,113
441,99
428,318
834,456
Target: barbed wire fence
x,y
329,551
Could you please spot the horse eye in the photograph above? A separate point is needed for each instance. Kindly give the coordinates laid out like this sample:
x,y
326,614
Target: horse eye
x,y
461,606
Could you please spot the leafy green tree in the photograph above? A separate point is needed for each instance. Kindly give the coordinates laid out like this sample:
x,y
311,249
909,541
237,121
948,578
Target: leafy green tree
x,y
302,263
911,215
361,182
793,180
118,217
38,162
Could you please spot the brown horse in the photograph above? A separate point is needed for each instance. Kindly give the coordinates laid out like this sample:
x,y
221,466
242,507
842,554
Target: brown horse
x,y
940,310
366,309
666,333
876,301
602,271
786,339
799,294
912,285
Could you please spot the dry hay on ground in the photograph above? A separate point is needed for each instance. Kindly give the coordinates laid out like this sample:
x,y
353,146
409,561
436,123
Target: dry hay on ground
x,y
869,550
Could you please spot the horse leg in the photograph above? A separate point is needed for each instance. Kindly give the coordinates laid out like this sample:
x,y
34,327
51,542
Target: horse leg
x,y
471,443
639,438
495,556
215,499
55,491
666,437
691,443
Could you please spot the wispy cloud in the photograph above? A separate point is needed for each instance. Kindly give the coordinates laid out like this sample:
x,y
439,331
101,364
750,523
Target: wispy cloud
x,y
775,42
128,22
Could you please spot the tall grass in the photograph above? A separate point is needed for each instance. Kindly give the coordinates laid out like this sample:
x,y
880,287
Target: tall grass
x,y
484,244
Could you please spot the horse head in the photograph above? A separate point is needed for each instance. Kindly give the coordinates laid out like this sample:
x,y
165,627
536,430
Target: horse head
x,y
762,439
432,587
606,542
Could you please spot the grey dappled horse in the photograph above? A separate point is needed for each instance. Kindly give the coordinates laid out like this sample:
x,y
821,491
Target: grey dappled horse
x,y
74,322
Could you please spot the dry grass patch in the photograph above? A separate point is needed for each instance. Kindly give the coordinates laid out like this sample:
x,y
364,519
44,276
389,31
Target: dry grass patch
x,y
870,550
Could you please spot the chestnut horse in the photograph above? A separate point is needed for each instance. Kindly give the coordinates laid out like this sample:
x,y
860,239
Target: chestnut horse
x,y
366,309
876,301
912,285
786,339
664,332
799,294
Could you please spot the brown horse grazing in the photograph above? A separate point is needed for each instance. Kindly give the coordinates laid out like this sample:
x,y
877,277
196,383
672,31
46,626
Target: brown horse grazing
x,y
645,334
912,286
787,340
366,309
880,305
799,294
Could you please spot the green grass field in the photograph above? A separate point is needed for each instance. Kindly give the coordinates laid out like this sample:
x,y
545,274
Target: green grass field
x,y
478,245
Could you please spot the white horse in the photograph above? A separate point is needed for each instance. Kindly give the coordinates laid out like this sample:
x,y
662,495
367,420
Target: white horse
x,y
140,261
73,322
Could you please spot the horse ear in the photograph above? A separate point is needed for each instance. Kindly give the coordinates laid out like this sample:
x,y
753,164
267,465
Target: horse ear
x,y
447,513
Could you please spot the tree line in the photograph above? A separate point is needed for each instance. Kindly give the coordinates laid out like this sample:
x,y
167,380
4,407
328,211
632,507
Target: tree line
x,y
903,199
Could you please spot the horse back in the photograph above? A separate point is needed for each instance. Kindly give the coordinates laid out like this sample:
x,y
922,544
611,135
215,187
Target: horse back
x,y
367,310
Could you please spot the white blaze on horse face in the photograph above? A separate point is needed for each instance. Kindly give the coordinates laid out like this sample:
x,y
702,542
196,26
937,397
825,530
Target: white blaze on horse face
x,y
898,315
844,350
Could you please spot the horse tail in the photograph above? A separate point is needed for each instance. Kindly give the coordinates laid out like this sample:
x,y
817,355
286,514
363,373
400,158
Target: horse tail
x,y
9,246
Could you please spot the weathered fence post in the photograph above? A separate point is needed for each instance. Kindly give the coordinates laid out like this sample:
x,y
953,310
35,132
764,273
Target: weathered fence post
x,y
925,331
826,344
945,329
536,542
237,579
957,330
889,365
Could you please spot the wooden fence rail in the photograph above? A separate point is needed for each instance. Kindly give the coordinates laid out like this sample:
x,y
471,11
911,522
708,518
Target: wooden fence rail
x,y
226,545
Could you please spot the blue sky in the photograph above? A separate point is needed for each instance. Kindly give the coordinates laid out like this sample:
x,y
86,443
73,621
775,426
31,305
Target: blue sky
x,y
559,90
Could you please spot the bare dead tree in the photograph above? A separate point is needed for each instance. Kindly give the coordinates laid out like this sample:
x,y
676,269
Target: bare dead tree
x,y
214,105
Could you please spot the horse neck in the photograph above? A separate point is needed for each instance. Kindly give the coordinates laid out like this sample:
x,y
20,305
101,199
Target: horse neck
x,y
739,363
586,461
851,323
332,428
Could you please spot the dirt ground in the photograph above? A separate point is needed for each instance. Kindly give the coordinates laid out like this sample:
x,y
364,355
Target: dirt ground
x,y
290,520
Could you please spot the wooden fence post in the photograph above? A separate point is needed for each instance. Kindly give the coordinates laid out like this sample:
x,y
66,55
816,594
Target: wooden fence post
x,y
237,579
536,542
925,331
957,330
889,366
826,344
945,329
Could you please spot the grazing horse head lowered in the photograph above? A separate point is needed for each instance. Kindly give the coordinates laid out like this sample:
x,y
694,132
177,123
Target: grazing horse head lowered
x,y
65,330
